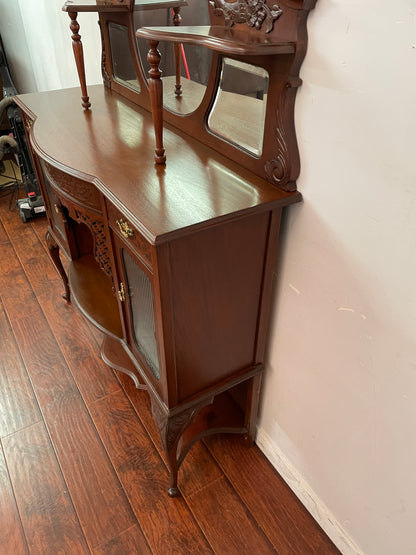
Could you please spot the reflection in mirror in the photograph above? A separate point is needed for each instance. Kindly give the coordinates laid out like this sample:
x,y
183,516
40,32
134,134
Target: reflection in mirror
x,y
239,110
122,62
195,61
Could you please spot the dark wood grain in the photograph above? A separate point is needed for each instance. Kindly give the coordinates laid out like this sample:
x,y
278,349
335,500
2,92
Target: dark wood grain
x,y
94,483
96,491
128,542
230,528
144,477
18,406
283,519
3,235
11,531
70,329
38,483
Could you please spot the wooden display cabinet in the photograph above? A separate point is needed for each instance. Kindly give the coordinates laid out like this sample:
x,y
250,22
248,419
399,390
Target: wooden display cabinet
x,y
174,262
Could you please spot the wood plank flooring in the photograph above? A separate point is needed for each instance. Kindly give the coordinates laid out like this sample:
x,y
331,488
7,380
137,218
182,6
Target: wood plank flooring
x,y
81,468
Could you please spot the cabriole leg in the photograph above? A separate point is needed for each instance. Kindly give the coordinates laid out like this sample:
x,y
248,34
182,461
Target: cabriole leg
x,y
53,249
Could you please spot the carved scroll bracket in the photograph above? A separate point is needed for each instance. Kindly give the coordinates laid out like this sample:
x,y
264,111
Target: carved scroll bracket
x,y
279,170
171,428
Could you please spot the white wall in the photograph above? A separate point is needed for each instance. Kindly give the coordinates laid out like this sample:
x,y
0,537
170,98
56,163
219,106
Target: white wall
x,y
15,45
38,44
339,400
339,403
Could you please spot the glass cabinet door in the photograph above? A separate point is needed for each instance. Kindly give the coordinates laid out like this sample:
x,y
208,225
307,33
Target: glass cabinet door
x,y
142,321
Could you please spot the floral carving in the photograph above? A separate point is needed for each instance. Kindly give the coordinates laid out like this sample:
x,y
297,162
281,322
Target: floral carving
x,y
171,427
278,170
79,191
255,13
97,228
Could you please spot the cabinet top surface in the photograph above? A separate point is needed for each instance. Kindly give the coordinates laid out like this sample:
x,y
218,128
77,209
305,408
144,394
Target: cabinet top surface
x,y
112,146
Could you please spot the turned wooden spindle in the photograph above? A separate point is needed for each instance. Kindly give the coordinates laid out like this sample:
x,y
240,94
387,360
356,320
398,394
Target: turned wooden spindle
x,y
177,50
79,58
156,99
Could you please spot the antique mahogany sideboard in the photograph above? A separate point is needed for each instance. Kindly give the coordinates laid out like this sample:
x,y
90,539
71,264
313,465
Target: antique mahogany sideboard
x,y
172,253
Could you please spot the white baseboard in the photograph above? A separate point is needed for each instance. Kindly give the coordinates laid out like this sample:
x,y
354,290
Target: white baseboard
x,y
306,495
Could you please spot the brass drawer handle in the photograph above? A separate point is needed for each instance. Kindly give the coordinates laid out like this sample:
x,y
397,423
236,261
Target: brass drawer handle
x,y
124,228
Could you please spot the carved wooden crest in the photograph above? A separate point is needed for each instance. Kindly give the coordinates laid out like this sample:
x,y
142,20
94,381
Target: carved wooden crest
x,y
255,13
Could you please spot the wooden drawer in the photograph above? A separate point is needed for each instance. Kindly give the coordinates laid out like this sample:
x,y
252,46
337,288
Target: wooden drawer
x,y
80,193
123,228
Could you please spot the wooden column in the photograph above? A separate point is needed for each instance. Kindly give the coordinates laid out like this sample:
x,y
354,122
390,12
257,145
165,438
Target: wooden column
x,y
79,58
177,49
156,99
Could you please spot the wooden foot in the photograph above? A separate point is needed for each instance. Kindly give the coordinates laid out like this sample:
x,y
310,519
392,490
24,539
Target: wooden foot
x,y
173,492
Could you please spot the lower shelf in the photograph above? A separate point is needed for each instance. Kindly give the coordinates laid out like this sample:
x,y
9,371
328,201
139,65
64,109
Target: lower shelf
x,y
92,292
114,355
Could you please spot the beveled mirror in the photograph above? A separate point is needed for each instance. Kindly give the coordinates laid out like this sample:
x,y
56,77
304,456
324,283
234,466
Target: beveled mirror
x,y
239,110
124,71
195,61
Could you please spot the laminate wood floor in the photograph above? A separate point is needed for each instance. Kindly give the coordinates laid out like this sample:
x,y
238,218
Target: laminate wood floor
x,y
81,469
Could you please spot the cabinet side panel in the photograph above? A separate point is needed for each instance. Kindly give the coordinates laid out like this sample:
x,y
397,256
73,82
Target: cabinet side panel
x,y
217,276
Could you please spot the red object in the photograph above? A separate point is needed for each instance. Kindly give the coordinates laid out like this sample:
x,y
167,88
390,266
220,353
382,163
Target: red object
x,y
185,63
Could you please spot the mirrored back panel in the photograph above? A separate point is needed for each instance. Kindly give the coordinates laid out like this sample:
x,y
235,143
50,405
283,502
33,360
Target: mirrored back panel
x,y
124,71
239,110
185,67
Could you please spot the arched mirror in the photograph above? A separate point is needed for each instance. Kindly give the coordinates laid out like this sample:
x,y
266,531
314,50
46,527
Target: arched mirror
x,y
195,61
239,111
124,71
